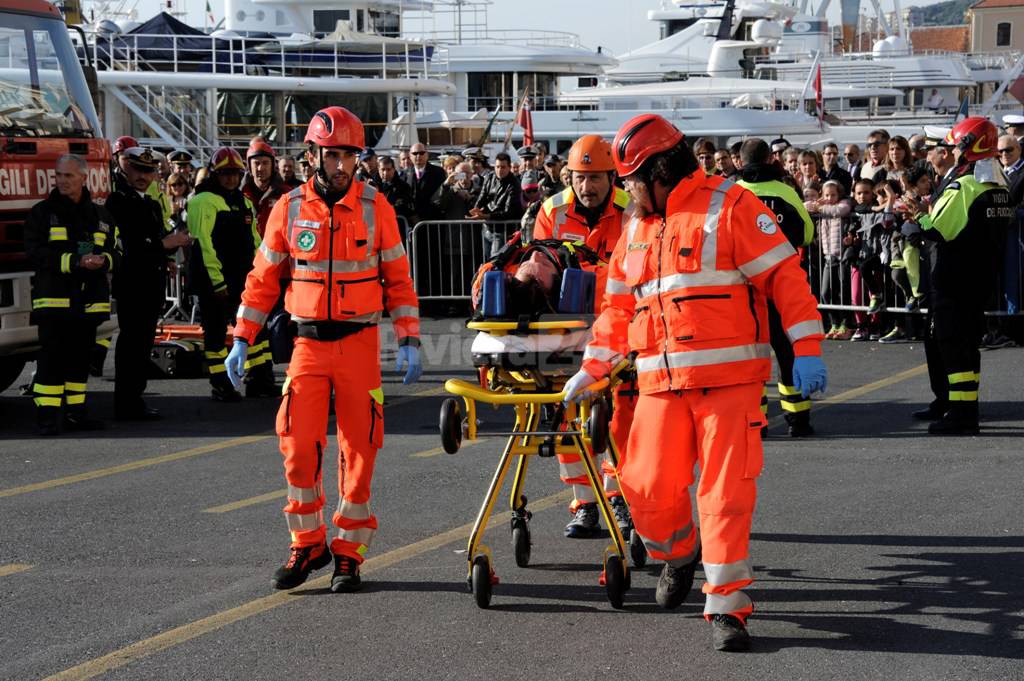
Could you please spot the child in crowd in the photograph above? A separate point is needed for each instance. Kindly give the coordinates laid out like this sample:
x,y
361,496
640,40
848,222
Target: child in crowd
x,y
866,246
833,211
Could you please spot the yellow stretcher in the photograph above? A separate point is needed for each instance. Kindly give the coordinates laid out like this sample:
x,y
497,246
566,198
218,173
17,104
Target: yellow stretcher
x,y
543,426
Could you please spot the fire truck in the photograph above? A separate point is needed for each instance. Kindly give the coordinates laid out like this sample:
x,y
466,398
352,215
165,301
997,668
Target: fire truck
x,y
46,110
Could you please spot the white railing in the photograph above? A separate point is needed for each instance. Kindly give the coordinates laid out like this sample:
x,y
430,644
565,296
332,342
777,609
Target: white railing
x,y
486,36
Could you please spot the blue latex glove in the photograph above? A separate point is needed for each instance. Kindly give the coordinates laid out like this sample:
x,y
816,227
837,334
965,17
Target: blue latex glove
x,y
409,357
576,387
235,362
809,375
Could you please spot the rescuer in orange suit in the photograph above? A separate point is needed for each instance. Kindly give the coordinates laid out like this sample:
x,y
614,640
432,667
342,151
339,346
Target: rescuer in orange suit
x,y
595,212
337,240
686,294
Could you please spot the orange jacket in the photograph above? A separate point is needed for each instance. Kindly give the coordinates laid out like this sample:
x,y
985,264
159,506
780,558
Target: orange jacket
x,y
687,294
342,263
558,219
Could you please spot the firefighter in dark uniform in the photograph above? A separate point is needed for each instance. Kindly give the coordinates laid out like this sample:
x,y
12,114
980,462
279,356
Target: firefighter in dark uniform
x,y
70,242
224,225
765,179
140,281
968,224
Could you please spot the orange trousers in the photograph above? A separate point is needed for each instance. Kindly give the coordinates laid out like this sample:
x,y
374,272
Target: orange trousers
x,y
570,468
351,367
718,429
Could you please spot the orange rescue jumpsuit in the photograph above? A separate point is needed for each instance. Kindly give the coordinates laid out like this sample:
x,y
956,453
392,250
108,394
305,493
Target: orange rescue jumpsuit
x,y
687,294
559,219
343,263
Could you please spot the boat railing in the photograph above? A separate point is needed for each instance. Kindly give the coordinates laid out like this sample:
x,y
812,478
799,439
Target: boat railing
x,y
482,36
261,56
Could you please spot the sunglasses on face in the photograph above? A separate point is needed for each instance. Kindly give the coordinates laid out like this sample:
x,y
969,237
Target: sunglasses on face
x,y
417,153
875,145
1008,150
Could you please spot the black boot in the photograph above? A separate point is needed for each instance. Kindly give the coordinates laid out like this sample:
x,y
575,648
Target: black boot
x,y
800,424
301,561
933,412
729,634
78,420
221,389
48,421
675,583
346,577
960,419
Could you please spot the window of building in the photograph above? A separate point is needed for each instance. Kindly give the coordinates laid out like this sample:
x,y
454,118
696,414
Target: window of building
x,y
1003,34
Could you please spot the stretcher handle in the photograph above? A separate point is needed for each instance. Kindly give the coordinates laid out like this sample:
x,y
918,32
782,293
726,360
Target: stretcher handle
x,y
533,326
473,391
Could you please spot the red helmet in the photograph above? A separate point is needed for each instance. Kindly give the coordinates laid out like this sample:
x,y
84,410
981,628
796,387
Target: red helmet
x,y
124,142
226,158
976,137
337,127
639,139
259,147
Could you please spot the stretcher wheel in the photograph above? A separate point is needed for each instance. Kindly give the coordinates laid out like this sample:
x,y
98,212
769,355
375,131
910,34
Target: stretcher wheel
x,y
451,425
637,550
597,426
615,580
480,580
521,542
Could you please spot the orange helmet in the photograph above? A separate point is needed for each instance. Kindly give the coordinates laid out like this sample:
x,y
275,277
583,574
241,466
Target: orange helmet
x,y
976,138
639,139
226,158
591,154
259,147
337,127
124,142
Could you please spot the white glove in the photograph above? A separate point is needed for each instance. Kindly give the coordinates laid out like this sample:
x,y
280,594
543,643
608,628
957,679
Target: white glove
x,y
576,387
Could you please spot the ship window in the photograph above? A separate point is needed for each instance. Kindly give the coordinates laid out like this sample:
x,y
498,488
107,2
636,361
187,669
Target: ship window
x,y
360,14
887,101
326,20
1003,34
859,102
279,18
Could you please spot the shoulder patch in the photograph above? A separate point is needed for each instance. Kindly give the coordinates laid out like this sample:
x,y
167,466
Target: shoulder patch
x,y
766,224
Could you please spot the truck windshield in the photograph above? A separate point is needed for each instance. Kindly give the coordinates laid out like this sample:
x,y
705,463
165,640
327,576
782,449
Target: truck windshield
x,y
42,90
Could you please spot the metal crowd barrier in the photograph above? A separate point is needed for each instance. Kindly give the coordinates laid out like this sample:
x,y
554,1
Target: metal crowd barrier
x,y
445,254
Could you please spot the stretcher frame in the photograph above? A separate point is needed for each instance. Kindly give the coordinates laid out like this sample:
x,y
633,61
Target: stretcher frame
x,y
585,424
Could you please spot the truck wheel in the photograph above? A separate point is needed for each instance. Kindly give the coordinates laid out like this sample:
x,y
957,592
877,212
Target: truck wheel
x,y
10,369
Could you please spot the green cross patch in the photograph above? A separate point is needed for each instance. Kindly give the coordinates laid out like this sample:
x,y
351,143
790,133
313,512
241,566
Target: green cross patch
x,y
306,240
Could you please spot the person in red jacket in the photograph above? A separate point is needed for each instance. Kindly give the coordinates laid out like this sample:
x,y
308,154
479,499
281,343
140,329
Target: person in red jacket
x,y
262,185
686,295
593,211
338,240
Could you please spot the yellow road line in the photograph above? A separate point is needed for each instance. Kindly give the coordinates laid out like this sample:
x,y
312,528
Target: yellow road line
x,y
251,501
854,393
13,569
132,465
186,632
427,453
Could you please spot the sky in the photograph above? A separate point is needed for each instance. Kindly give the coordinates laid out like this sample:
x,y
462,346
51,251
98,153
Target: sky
x,y
617,25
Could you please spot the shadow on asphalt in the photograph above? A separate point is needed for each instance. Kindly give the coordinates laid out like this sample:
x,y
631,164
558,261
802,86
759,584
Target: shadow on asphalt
x,y
978,590
881,420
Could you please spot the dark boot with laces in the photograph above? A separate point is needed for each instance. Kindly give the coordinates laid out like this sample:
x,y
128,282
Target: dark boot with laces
x,y
675,583
301,561
346,575
584,524
622,517
729,634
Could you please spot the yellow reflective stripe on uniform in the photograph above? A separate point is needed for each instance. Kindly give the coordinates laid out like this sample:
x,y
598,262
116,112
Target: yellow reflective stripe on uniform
x,y
58,233
216,354
785,390
963,395
78,398
378,395
259,347
722,574
964,376
99,237
40,389
79,387
768,260
216,368
105,342
41,303
804,329
694,358
65,263
97,307
47,401
794,407
252,362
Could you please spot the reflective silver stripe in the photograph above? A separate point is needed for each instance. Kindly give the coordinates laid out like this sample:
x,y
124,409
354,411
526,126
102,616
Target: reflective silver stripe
x,y
631,231
369,317
561,198
272,256
737,601
350,511
695,358
334,265
568,471
362,535
584,494
666,545
616,287
404,311
561,217
766,261
611,483
294,204
804,329
252,314
308,521
305,495
601,354
370,218
709,251
394,253
692,280
720,574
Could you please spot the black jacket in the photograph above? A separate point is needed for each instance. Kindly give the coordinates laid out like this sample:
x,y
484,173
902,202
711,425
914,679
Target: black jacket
x,y
501,199
142,271
57,234
426,191
839,175
399,195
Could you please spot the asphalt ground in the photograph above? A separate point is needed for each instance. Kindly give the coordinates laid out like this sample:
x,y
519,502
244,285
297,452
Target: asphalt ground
x,y
146,551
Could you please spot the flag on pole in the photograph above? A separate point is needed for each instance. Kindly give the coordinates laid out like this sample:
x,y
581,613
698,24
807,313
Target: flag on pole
x,y
962,112
525,121
209,14
819,103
